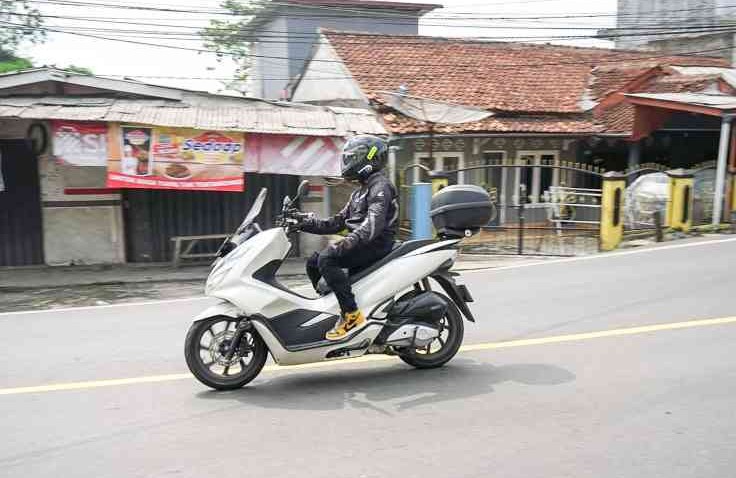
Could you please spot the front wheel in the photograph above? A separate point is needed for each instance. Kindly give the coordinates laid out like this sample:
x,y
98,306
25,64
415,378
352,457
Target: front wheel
x,y
205,349
441,349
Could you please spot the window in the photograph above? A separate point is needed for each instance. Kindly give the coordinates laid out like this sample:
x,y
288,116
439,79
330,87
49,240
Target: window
x,y
487,178
440,162
535,179
547,174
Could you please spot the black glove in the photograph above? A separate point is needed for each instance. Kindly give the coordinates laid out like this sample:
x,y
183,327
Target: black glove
x,y
296,219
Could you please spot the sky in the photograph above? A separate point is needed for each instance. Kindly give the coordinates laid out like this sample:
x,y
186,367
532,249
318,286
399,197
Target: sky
x,y
114,58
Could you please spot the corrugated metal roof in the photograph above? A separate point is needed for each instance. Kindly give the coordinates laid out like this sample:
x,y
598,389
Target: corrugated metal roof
x,y
200,112
721,102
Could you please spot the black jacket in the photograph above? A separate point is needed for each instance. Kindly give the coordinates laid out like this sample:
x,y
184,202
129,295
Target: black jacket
x,y
371,216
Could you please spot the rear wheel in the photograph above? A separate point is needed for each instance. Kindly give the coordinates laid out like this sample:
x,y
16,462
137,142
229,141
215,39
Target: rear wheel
x,y
441,349
205,349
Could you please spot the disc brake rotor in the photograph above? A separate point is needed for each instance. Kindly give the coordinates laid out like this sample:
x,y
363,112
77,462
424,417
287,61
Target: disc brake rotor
x,y
219,347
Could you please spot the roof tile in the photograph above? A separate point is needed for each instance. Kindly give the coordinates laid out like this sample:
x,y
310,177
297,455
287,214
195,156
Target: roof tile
x,y
533,87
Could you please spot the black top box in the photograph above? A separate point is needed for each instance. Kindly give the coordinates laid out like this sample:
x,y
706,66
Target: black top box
x,y
460,208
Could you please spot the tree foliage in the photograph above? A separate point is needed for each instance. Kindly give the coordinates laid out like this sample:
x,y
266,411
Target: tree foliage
x,y
234,38
20,22
13,64
78,69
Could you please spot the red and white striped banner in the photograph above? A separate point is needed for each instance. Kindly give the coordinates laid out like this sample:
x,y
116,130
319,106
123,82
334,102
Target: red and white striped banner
x,y
297,155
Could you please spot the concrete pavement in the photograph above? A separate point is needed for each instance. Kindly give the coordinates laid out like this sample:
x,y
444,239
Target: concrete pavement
x,y
20,279
38,288
650,403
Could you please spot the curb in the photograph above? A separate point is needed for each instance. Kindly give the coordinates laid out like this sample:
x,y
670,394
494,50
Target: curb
x,y
13,288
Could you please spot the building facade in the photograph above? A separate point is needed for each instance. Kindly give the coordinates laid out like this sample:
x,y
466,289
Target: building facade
x,y
286,32
677,26
558,116
94,170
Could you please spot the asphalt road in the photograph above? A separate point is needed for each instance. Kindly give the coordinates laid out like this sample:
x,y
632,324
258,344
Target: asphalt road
x,y
557,382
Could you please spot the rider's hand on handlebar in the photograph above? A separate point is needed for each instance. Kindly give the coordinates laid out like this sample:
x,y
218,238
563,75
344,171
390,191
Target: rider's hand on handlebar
x,y
295,219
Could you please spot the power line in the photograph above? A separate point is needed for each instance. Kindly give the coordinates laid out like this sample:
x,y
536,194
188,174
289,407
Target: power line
x,y
199,34
611,58
184,36
477,27
351,13
312,33
171,19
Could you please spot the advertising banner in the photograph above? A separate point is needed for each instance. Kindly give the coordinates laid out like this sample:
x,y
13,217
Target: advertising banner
x,y
80,143
173,158
298,155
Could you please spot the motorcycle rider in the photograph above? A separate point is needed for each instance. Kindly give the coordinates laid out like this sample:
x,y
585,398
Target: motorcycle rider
x,y
371,217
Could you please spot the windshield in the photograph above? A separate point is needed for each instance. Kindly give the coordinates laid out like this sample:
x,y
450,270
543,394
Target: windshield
x,y
255,210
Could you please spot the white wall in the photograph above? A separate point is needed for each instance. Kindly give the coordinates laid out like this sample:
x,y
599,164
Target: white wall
x,y
79,229
270,75
328,81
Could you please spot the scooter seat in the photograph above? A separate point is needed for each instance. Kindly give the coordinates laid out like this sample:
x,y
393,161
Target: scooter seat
x,y
400,249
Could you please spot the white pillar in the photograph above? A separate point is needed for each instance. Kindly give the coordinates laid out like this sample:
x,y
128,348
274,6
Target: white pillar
x,y
392,163
326,200
634,155
721,170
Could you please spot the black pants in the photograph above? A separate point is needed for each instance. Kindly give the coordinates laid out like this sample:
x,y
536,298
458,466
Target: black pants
x,y
330,266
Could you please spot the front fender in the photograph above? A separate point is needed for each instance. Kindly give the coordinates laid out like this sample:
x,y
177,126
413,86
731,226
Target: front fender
x,y
221,308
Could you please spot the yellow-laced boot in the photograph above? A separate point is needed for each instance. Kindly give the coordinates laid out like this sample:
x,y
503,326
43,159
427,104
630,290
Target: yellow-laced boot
x,y
349,321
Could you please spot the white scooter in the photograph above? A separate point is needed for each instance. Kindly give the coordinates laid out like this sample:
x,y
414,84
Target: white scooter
x,y
228,344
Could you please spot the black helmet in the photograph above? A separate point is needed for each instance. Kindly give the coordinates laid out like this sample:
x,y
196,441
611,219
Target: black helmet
x,y
362,156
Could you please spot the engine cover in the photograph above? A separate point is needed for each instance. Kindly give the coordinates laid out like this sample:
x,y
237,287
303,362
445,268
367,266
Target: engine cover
x,y
424,306
412,335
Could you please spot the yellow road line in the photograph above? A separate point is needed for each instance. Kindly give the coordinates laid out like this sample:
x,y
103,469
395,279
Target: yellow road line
x,y
380,358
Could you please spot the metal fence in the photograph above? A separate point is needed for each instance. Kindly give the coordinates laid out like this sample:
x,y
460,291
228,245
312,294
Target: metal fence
x,y
566,223
561,221
534,240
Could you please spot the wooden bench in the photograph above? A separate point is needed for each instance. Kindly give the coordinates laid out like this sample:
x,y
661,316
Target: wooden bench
x,y
183,246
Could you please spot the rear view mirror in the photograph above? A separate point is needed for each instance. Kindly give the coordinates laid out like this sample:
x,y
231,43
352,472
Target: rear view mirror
x,y
302,190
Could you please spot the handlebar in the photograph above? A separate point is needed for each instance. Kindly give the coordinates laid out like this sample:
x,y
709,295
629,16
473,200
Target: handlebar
x,y
291,219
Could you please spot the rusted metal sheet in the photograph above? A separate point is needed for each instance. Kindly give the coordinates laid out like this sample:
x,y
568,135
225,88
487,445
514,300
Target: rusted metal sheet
x,y
153,217
222,114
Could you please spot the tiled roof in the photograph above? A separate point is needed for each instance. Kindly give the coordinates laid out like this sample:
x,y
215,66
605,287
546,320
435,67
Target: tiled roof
x,y
491,75
565,124
551,88
501,76
619,118
681,83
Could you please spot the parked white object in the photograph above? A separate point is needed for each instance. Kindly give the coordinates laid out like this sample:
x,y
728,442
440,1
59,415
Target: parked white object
x,y
647,194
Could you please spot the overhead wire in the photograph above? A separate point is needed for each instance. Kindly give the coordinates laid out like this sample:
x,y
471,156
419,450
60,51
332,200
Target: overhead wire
x,y
615,57
645,31
312,40
286,37
351,13
522,27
